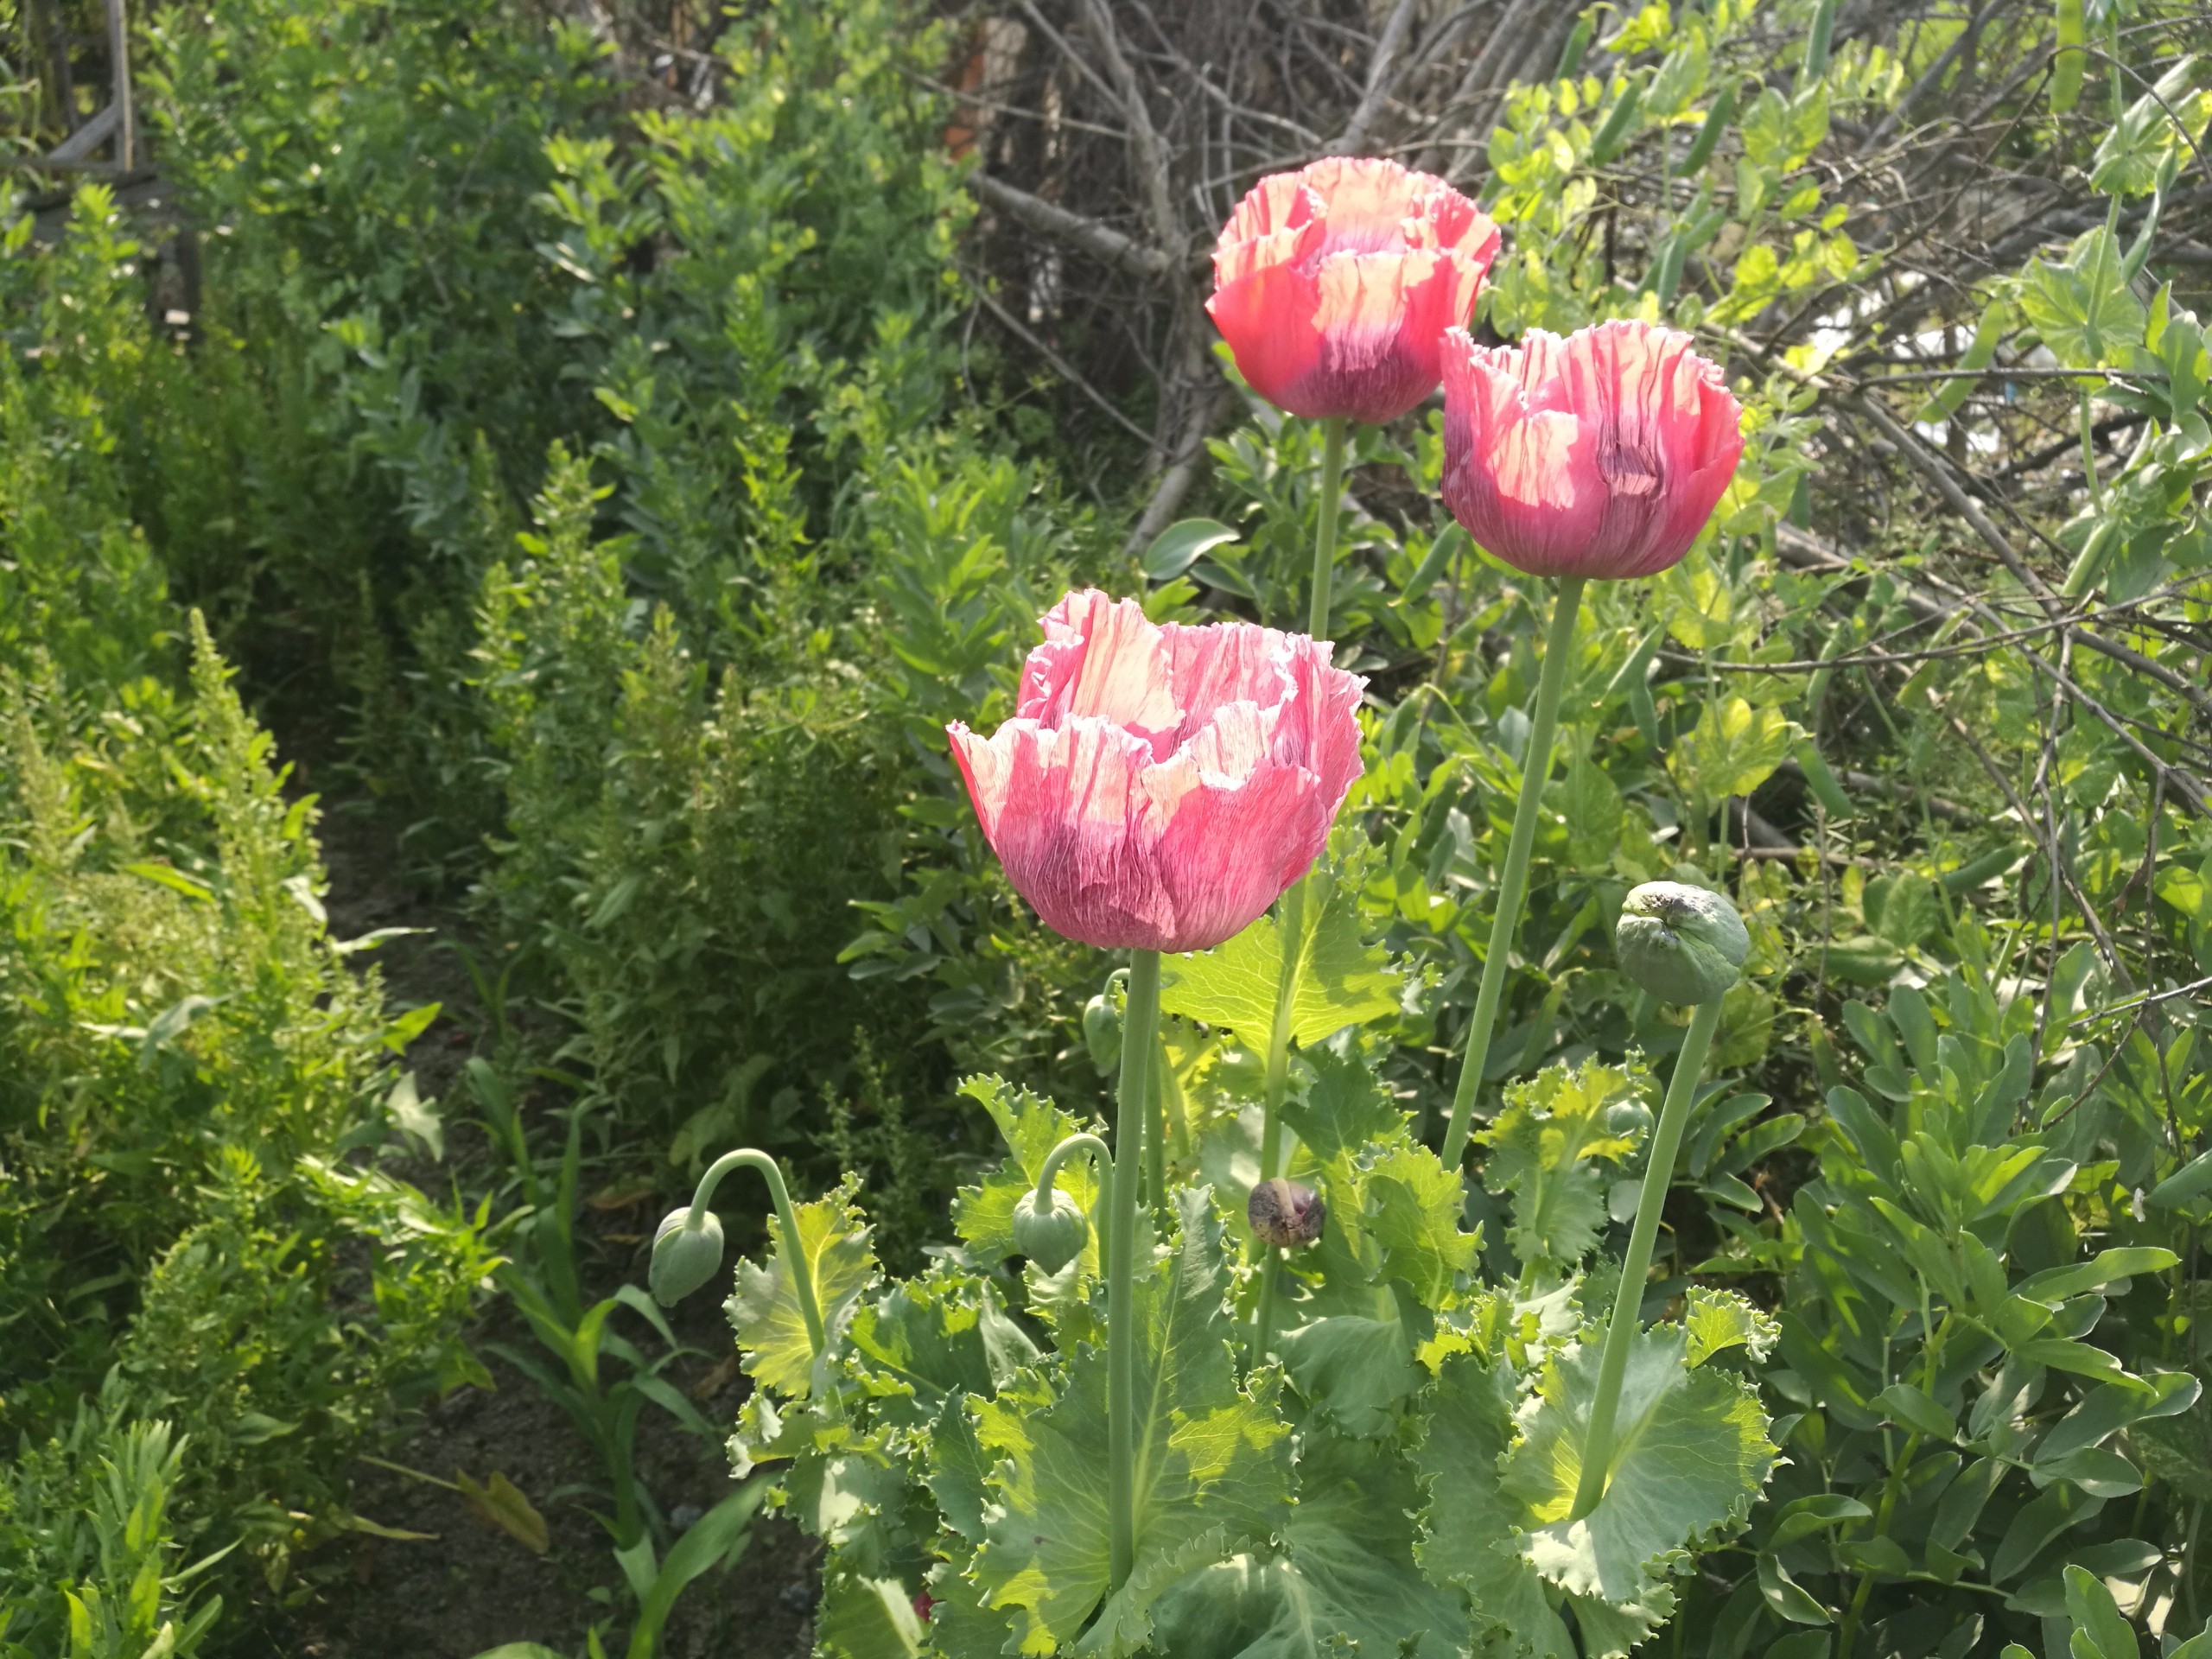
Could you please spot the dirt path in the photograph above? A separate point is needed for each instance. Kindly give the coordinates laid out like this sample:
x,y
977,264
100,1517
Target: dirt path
x,y
469,1587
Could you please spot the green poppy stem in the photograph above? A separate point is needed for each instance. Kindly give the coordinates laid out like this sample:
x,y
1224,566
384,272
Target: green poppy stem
x,y
1324,533
801,1270
1140,1031
1050,1170
1627,1304
1290,916
1513,882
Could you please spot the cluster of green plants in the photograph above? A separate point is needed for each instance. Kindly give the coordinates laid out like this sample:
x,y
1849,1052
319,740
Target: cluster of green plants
x,y
214,1293
611,466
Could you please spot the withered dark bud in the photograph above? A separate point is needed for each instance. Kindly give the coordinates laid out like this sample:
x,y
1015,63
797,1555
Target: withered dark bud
x,y
1284,1214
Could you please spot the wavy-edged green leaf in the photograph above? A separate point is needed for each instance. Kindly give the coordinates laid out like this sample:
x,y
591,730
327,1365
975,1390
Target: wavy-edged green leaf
x,y
928,1338
960,1625
1413,1205
2082,309
1342,980
1345,1583
1717,1320
1031,1126
1352,1371
866,1618
1542,1147
1211,1456
1690,1456
833,1251
1471,1530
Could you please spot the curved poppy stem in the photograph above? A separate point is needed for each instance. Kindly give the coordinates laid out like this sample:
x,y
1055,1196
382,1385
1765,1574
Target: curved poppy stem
x,y
1513,882
1627,1304
771,1172
1059,1154
1140,1030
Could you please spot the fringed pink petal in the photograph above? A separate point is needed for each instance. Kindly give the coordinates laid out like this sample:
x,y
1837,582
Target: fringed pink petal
x,y
1332,285
1103,659
1226,853
1598,455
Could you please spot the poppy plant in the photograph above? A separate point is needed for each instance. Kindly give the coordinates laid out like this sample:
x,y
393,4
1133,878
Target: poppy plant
x,y
1158,787
1599,456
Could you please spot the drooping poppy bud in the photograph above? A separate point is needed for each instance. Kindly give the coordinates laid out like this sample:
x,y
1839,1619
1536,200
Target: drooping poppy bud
x,y
687,1253
1051,1236
1159,786
1599,455
1285,1214
1680,942
1333,285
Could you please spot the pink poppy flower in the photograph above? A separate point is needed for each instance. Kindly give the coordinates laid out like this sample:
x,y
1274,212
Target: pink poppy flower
x,y
1333,285
1601,454
1159,786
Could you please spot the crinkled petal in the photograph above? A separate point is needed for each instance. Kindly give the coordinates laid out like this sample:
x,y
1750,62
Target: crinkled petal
x,y
1599,455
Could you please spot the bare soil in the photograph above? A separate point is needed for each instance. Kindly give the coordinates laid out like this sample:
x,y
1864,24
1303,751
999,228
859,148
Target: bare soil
x,y
468,1586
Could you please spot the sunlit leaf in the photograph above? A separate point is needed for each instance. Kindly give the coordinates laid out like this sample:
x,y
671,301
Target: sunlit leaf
x,y
1543,1148
1212,1461
1342,981
833,1250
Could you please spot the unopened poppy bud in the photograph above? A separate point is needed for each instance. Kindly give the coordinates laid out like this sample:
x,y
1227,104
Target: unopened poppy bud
x,y
1101,1033
1680,942
687,1253
1050,1236
1284,1214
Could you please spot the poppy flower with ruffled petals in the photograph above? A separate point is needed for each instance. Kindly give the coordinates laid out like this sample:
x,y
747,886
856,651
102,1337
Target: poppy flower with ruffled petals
x,y
1333,285
1159,786
1600,455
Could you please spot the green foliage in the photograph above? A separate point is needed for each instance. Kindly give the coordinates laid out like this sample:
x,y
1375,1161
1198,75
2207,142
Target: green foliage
x,y
189,1059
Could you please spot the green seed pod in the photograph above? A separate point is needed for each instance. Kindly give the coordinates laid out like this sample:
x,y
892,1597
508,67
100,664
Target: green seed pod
x,y
1682,944
1284,1214
1051,1237
685,1256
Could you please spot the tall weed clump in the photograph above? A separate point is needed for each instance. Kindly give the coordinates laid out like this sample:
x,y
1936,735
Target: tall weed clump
x,y
193,1082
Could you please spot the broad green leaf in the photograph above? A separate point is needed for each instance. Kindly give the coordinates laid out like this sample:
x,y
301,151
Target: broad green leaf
x,y
1698,604
2129,156
2097,1622
1691,1454
1589,802
2059,1284
1471,1529
2107,1410
833,1251
1346,1581
1354,1371
1345,1111
927,1339
1181,545
1542,1147
1211,1459
2080,308
1733,749
1414,1206
866,1618
961,1626
1032,1127
1342,981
